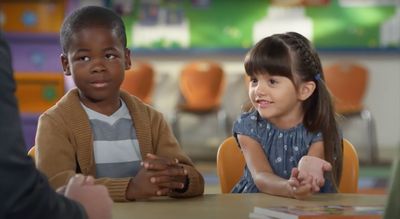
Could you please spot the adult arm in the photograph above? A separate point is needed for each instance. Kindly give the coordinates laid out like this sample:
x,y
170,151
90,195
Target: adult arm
x,y
23,190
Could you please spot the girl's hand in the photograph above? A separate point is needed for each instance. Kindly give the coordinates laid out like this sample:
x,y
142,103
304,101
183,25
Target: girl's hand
x,y
314,167
300,189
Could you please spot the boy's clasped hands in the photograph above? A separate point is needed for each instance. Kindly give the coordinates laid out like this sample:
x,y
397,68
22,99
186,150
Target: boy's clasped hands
x,y
308,177
159,176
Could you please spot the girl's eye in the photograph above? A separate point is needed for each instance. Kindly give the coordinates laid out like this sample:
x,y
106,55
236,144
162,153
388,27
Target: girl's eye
x,y
253,81
273,81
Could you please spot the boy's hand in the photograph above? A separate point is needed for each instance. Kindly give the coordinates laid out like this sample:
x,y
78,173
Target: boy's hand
x,y
157,178
154,162
300,189
169,171
140,187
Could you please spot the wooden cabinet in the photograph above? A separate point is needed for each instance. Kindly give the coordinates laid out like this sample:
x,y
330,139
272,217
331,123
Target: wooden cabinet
x,y
33,16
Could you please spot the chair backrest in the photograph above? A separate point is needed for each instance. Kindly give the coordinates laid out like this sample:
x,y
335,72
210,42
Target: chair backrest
x,y
32,152
349,180
230,166
139,81
347,83
202,85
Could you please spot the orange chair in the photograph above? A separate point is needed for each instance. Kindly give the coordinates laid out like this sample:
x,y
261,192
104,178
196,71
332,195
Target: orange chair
x,y
348,83
201,84
349,180
32,152
230,166
139,81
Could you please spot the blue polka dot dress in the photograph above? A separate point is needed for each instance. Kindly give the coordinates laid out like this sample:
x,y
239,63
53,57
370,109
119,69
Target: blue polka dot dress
x,y
282,147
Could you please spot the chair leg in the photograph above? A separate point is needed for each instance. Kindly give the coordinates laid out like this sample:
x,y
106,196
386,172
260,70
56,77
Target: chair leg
x,y
373,149
222,118
175,126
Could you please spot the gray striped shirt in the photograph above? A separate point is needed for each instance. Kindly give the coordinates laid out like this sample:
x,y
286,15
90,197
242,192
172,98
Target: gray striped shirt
x,y
116,148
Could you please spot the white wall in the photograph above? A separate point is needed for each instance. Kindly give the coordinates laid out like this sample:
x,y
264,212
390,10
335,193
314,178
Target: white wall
x,y
382,97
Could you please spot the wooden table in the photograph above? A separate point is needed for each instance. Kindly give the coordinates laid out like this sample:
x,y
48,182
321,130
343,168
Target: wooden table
x,y
229,206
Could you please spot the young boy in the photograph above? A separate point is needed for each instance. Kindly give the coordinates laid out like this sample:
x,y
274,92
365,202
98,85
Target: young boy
x,y
98,129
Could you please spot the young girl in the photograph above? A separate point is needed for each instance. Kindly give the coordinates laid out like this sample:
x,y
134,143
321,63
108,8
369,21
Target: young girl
x,y
292,116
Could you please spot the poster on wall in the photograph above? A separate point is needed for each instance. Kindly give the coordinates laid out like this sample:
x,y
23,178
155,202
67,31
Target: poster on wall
x,y
235,24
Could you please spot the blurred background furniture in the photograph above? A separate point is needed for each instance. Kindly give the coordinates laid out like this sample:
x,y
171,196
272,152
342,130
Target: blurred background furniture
x,y
36,92
201,85
231,163
348,84
139,81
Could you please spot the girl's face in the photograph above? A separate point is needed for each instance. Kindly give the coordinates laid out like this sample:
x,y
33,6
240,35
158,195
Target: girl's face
x,y
97,60
276,99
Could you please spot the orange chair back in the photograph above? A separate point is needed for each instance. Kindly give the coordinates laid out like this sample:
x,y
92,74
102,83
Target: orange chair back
x,y
349,180
347,83
202,85
230,166
139,81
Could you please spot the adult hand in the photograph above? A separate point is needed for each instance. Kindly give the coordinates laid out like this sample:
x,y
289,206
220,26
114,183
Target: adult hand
x,y
94,198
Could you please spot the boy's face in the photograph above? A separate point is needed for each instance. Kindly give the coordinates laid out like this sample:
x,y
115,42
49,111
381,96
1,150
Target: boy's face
x,y
97,60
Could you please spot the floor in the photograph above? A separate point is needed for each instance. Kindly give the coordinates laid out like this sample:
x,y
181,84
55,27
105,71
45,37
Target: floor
x,y
372,179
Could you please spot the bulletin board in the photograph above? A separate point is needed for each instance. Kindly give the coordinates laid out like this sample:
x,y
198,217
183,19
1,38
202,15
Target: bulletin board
x,y
237,24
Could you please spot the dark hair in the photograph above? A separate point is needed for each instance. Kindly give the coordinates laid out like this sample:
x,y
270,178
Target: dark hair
x,y
91,16
291,55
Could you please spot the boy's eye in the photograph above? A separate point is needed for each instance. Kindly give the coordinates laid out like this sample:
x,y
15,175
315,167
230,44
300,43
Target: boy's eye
x,y
110,56
84,58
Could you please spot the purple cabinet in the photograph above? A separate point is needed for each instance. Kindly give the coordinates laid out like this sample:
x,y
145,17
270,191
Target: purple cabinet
x,y
38,53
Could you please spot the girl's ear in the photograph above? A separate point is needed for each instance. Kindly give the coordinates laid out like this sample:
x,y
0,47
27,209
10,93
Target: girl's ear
x,y
127,59
306,90
65,64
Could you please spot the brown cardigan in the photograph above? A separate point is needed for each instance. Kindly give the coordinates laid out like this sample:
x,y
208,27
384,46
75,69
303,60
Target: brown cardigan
x,y
64,144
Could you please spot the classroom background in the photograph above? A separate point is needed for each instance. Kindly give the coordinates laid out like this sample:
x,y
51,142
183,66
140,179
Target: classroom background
x,y
358,43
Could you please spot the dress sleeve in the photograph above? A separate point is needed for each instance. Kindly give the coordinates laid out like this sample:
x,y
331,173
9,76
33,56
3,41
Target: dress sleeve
x,y
248,124
316,137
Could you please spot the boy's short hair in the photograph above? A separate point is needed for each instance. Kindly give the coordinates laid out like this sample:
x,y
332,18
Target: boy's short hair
x,y
91,16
